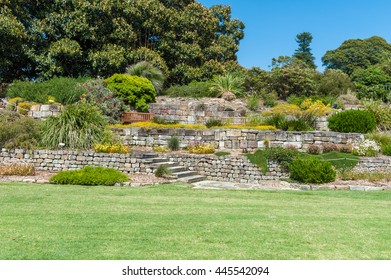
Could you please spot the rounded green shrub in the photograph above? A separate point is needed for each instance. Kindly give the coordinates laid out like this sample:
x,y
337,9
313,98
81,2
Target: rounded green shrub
x,y
173,144
135,91
90,176
312,170
352,121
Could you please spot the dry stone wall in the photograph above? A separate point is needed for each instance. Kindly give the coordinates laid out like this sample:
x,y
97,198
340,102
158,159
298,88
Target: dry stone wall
x,y
38,111
228,168
227,139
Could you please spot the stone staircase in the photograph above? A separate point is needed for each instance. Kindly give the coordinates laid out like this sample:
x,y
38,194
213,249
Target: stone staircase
x,y
180,172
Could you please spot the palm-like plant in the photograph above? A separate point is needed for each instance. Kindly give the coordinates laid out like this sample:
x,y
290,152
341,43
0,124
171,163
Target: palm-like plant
x,y
230,82
147,70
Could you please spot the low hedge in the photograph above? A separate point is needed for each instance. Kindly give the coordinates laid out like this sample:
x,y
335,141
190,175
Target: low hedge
x,y
312,170
90,176
352,121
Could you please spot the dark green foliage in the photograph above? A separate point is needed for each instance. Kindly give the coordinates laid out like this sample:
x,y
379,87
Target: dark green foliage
x,y
352,121
280,155
213,122
162,171
90,176
371,83
18,131
43,39
149,71
135,91
276,120
173,143
64,90
312,170
194,90
357,53
104,99
305,122
303,53
270,98
386,150
78,127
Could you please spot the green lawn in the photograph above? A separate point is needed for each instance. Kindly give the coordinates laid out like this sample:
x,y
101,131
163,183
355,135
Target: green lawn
x,y
175,222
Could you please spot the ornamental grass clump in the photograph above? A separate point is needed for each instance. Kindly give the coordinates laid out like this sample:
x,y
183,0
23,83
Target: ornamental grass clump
x,y
173,144
90,176
77,127
19,169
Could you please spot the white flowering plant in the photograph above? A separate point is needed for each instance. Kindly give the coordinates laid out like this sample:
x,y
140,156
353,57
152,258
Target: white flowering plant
x,y
366,147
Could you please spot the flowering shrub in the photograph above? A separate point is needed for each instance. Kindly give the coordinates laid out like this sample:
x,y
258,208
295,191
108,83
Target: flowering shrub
x,y
198,148
160,149
316,108
366,147
111,148
23,108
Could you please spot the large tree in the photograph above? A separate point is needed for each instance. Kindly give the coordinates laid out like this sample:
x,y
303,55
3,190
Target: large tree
x,y
46,38
357,54
303,52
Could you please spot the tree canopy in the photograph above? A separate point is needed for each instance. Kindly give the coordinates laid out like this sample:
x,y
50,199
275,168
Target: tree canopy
x,y
357,53
303,52
47,38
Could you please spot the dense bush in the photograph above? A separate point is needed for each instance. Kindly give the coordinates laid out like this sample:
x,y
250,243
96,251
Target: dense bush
x,y
64,90
352,121
78,127
370,83
17,131
213,122
90,176
194,90
334,83
312,170
104,99
173,143
135,91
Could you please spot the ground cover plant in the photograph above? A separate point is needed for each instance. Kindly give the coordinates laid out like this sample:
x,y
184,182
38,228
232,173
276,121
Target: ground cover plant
x,y
173,222
90,176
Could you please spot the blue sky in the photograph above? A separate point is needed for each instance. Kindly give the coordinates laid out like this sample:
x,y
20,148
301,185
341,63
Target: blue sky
x,y
272,25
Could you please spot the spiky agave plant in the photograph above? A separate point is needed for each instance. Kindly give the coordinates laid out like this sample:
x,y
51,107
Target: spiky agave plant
x,y
230,82
147,70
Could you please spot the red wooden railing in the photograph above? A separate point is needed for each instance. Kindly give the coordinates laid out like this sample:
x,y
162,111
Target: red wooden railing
x,y
131,117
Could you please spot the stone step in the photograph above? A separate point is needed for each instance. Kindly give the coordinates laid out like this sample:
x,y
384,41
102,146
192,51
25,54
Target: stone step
x,y
193,179
183,174
144,155
175,169
159,160
168,164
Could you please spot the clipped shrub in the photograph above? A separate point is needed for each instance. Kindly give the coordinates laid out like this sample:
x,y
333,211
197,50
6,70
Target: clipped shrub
x,y
313,149
352,121
162,171
366,147
213,122
64,90
135,91
111,148
194,90
77,127
199,148
90,176
108,103
19,169
312,170
18,131
329,147
386,150
173,143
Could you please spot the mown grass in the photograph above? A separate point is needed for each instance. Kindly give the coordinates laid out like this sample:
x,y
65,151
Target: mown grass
x,y
175,222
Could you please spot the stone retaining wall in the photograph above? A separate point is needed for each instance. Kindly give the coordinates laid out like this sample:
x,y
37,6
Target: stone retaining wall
x,y
227,168
38,111
226,139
